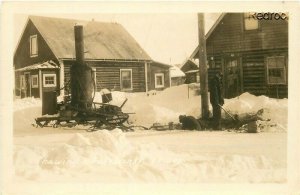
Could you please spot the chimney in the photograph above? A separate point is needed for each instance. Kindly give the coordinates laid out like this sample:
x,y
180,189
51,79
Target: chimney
x,y
81,75
79,44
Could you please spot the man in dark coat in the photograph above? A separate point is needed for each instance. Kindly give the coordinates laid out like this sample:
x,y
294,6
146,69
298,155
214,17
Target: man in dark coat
x,y
189,122
216,99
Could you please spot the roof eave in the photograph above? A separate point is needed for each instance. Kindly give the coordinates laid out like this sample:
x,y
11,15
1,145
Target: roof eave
x,y
162,64
43,36
211,30
18,43
113,60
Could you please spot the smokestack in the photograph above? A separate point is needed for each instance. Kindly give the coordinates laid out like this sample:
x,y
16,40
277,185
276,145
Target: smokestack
x,y
81,75
79,44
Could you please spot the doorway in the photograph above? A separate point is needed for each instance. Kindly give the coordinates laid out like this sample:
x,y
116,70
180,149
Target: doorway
x,y
27,84
231,83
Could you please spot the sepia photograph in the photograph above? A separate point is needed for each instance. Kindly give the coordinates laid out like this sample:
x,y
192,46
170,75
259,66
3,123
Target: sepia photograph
x,y
138,98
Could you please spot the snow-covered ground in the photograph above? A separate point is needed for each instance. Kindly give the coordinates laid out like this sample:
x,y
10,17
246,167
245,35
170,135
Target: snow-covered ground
x,y
143,156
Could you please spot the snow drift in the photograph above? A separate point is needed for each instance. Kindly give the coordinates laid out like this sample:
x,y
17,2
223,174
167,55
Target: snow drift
x,y
108,156
273,109
167,105
20,104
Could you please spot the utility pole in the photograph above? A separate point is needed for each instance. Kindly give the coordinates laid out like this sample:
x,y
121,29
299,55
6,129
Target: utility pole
x,y
203,67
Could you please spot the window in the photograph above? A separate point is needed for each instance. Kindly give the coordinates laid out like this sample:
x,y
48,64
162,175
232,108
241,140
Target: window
x,y
276,72
34,81
33,46
49,80
250,22
159,80
126,79
22,81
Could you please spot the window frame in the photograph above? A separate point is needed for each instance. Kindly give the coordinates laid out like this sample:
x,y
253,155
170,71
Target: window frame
x,y
163,80
49,75
37,81
36,45
244,23
121,83
284,82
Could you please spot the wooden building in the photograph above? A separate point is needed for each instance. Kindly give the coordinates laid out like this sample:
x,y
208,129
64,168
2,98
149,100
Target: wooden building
x,y
251,53
191,71
46,51
177,76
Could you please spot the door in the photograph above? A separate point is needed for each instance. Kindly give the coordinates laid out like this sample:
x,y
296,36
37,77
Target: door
x,y
27,84
231,78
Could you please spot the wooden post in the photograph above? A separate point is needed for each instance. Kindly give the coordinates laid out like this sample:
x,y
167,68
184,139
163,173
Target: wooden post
x,y
40,84
146,77
62,78
203,67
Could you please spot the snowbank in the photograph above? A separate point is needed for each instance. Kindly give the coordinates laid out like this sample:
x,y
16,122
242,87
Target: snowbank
x,y
158,106
166,106
274,109
20,104
110,157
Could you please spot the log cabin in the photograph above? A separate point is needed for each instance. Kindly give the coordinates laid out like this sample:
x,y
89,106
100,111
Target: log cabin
x,y
46,51
252,54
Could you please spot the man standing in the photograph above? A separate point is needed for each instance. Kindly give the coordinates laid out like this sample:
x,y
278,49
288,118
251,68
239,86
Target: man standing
x,y
216,99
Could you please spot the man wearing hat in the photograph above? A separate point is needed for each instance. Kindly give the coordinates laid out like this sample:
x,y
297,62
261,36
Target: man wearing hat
x,y
216,99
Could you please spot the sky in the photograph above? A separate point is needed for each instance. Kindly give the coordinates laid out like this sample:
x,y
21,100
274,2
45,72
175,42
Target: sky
x,y
167,38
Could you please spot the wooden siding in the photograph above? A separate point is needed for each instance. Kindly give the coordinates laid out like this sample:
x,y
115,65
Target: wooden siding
x,y
229,39
35,92
22,55
189,66
48,89
108,74
154,69
230,36
226,35
17,83
254,72
191,77
175,81
275,34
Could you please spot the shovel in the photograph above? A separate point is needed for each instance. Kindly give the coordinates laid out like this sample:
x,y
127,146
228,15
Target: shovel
x,y
229,114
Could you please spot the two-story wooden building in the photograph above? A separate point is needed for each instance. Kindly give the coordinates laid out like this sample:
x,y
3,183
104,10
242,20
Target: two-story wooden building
x,y
46,51
252,54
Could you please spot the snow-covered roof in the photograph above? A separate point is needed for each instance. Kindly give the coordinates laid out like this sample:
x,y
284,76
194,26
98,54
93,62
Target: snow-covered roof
x,y
176,72
45,65
102,40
